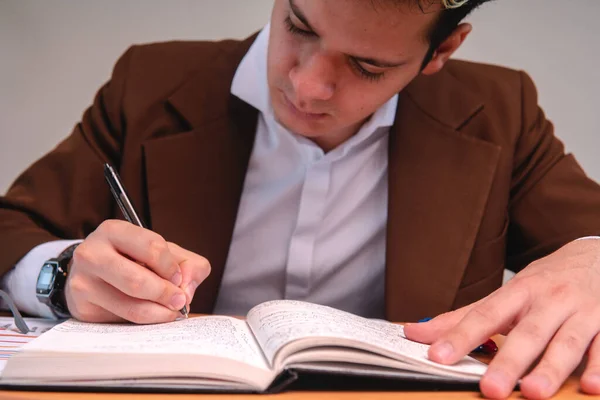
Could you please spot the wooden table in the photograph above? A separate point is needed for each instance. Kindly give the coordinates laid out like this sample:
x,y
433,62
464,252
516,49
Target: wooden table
x,y
570,390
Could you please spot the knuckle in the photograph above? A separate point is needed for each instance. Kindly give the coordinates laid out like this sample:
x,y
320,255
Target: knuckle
x,y
79,314
134,283
572,342
75,296
164,296
83,255
77,285
523,284
157,248
136,314
523,280
485,313
205,266
109,227
534,331
551,370
83,313
560,291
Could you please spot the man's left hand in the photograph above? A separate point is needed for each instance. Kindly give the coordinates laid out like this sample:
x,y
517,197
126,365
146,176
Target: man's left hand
x,y
550,309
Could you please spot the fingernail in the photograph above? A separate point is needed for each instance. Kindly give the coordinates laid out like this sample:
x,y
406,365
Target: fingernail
x,y
176,279
541,382
444,350
178,301
191,289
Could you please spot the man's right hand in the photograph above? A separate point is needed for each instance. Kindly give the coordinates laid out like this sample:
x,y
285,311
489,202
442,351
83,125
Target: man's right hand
x,y
108,283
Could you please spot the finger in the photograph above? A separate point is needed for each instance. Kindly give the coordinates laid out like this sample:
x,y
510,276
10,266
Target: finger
x,y
481,322
564,353
144,246
129,308
137,281
93,313
428,332
590,381
195,269
77,294
521,348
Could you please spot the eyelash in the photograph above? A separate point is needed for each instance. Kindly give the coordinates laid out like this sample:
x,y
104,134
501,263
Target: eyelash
x,y
295,30
372,76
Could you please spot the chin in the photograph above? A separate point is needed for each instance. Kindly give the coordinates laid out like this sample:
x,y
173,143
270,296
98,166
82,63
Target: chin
x,y
306,129
299,126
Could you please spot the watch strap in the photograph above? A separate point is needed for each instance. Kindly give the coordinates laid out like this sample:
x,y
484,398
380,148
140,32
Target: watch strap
x,y
67,253
58,303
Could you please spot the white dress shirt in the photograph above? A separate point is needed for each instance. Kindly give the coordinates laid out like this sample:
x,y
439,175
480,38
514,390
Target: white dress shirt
x,y
311,226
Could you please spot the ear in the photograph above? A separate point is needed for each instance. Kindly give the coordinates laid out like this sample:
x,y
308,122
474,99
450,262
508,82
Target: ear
x,y
447,48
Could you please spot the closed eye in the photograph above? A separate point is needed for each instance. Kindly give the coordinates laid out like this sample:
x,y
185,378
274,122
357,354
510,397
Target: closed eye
x,y
364,73
297,31
354,63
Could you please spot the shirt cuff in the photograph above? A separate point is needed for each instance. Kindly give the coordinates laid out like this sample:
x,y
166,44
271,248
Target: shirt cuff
x,y
20,282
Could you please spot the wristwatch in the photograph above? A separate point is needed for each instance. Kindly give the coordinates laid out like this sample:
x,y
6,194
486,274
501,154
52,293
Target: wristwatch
x,y
51,282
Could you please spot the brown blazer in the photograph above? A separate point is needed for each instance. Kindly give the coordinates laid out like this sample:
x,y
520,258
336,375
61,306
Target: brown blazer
x,y
477,180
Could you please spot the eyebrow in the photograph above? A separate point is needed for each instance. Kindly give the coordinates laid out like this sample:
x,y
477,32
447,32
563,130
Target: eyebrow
x,y
367,60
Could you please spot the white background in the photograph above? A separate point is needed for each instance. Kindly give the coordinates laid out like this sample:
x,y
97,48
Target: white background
x,y
54,55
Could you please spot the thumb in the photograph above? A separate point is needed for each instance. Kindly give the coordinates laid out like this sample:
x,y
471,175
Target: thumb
x,y
194,269
428,332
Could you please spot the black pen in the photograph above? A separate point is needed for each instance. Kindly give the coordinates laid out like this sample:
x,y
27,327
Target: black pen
x,y
126,206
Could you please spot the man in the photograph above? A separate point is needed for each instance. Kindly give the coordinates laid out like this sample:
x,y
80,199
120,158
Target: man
x,y
338,157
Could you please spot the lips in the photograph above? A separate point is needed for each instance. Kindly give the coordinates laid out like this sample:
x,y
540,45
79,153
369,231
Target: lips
x,y
301,114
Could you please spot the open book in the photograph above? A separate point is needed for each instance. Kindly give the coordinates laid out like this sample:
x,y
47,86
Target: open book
x,y
277,339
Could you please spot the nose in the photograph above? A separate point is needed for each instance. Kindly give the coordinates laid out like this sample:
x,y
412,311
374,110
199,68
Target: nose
x,y
313,79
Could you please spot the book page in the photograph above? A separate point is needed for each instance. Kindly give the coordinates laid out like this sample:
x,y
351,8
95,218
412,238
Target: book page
x,y
277,324
213,336
12,340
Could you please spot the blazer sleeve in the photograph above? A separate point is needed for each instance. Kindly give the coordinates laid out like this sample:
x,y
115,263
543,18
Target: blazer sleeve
x,y
63,195
553,202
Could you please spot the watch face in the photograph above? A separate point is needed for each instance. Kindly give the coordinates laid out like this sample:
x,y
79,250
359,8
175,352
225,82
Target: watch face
x,y
45,280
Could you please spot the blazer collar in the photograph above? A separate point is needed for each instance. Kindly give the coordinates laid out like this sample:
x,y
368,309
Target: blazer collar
x,y
203,98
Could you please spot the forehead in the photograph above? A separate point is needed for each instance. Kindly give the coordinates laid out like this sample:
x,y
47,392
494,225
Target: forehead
x,y
373,27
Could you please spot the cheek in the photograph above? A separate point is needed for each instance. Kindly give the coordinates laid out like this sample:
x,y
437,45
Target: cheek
x,y
358,101
282,58
361,98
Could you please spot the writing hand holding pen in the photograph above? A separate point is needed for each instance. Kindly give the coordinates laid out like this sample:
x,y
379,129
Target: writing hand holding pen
x,y
123,271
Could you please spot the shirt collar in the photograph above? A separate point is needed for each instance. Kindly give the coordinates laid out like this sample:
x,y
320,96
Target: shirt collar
x,y
250,85
250,80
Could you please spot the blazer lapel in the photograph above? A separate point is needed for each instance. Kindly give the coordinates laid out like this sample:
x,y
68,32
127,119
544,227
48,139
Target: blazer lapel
x,y
195,204
439,180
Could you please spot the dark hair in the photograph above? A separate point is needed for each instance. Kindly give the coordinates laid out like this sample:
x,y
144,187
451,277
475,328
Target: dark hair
x,y
447,21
